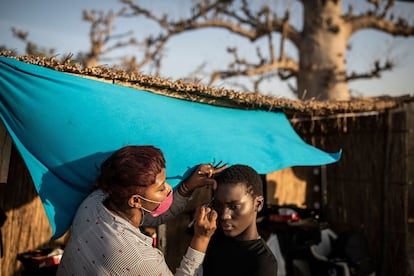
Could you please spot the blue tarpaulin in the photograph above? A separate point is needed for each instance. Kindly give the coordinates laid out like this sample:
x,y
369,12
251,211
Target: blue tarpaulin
x,y
64,126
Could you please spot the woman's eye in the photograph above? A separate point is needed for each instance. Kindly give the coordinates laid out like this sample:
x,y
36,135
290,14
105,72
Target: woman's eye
x,y
234,206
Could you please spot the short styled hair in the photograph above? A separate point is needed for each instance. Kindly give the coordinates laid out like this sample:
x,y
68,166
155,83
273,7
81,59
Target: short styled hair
x,y
241,174
129,170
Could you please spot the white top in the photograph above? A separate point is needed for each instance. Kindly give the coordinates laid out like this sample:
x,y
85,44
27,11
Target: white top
x,y
104,244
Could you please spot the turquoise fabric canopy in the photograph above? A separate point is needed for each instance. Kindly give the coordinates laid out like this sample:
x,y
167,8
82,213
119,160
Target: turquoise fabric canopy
x,y
64,126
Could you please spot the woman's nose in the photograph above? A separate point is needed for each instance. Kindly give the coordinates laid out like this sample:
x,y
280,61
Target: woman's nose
x,y
225,214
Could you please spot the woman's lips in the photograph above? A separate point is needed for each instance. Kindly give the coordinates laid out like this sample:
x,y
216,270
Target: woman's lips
x,y
226,227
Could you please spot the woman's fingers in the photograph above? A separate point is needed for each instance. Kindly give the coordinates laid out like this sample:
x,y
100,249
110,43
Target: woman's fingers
x,y
208,170
203,176
206,221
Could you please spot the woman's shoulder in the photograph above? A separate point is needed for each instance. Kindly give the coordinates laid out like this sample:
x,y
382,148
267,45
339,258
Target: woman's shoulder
x,y
96,196
90,205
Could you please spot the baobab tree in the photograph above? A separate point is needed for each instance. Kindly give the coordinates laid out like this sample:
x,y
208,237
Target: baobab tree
x,y
322,39
320,68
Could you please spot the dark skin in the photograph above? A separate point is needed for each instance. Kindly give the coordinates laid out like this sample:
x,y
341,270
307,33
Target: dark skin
x,y
237,211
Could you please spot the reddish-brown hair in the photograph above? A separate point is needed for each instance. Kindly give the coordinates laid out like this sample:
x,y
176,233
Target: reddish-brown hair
x,y
129,171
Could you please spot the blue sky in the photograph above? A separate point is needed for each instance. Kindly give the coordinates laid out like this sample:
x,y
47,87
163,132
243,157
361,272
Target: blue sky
x,y
58,24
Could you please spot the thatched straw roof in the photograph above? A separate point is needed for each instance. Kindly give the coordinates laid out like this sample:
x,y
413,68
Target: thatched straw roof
x,y
215,96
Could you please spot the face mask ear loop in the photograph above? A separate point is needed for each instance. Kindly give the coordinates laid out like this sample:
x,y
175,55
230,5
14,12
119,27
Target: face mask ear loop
x,y
148,200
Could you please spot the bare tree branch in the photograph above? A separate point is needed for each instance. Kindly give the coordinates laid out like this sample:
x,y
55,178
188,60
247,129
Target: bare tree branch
x,y
244,22
31,47
381,20
374,73
101,35
218,14
255,69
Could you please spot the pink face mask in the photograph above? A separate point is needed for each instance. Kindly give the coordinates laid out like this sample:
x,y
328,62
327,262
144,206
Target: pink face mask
x,y
162,207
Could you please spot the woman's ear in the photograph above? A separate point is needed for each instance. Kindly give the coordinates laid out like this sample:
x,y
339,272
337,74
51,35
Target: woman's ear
x,y
134,201
259,203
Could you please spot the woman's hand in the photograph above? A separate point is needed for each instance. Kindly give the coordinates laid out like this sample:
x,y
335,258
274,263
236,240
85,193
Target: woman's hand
x,y
203,176
205,225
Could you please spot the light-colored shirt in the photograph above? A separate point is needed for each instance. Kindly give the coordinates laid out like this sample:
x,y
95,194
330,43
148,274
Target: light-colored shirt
x,y
102,243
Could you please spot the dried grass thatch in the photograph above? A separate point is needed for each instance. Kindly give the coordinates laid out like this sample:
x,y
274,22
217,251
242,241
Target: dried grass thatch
x,y
215,96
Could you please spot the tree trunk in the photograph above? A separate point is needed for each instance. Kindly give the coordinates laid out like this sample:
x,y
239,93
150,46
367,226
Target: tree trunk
x,y
91,61
322,52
